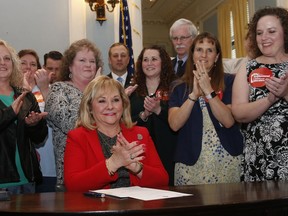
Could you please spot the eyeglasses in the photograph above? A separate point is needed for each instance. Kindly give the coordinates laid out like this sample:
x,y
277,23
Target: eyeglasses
x,y
182,38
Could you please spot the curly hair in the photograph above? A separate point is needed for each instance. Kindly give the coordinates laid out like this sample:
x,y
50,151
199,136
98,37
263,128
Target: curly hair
x,y
280,13
167,74
16,78
70,54
216,73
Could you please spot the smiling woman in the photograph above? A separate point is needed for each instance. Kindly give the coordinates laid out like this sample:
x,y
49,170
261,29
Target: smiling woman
x,y
260,95
80,64
106,150
22,124
209,143
149,103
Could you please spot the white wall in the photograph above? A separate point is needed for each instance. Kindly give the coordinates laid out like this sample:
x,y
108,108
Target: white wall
x,y
108,33
37,24
52,25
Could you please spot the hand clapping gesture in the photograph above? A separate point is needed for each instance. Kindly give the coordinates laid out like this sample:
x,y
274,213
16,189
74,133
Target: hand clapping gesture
x,y
202,80
278,87
17,104
126,154
152,104
34,117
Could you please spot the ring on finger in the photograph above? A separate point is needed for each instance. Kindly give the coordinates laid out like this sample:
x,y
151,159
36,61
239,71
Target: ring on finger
x,y
131,157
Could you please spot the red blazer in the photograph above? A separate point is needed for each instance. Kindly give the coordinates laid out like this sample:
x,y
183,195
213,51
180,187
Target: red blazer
x,y
84,161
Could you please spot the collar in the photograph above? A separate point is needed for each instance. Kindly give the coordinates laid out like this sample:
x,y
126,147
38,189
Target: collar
x,y
115,76
184,59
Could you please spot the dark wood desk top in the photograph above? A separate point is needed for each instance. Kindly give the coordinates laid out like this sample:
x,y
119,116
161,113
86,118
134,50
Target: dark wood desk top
x,y
266,198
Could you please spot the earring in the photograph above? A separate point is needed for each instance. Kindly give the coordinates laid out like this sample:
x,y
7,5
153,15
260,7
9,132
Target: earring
x,y
70,75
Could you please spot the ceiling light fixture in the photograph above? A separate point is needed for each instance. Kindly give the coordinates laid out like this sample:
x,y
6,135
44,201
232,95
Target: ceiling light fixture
x,y
99,7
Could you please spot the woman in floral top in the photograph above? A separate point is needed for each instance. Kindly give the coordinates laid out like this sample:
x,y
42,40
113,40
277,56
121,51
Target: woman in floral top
x,y
80,64
260,95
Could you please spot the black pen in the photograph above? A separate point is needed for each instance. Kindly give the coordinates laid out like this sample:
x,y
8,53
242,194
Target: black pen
x,y
94,194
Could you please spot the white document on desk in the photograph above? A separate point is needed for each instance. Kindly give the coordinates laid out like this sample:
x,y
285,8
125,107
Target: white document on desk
x,y
141,193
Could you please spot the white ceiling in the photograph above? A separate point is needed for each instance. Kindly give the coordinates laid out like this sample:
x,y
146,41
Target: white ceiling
x,y
167,11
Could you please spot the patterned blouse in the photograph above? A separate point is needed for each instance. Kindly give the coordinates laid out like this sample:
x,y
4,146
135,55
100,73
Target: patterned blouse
x,y
62,104
266,138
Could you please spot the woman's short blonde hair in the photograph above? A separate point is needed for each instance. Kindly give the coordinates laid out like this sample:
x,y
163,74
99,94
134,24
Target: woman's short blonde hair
x,y
93,90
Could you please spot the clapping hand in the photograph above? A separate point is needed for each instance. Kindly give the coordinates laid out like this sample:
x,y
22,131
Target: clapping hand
x,y
130,89
203,78
42,78
127,154
34,117
28,81
152,104
278,87
99,72
16,105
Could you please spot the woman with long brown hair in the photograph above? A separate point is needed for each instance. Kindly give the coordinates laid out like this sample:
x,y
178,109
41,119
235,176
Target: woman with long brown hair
x,y
209,142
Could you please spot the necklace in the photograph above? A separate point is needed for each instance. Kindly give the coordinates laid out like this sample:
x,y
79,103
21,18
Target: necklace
x,y
106,143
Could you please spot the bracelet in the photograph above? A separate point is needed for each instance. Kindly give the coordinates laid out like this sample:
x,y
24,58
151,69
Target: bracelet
x,y
211,95
191,99
110,172
141,168
140,115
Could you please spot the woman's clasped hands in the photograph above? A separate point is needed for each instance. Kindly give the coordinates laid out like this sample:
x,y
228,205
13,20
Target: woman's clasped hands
x,y
202,85
128,155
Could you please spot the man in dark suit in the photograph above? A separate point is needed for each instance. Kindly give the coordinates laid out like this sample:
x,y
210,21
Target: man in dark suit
x,y
118,62
182,33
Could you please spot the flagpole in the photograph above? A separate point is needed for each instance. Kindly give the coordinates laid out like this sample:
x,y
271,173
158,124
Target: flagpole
x,y
123,24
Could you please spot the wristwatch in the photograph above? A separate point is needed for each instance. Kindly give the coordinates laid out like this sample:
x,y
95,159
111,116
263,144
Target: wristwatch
x,y
211,95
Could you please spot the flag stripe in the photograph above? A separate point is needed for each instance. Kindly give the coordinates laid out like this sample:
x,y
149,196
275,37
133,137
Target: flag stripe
x,y
125,34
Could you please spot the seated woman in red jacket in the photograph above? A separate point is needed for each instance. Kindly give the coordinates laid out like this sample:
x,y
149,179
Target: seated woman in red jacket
x,y
106,150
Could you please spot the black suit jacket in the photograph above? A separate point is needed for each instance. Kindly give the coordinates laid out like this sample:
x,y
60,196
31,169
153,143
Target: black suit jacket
x,y
181,72
127,81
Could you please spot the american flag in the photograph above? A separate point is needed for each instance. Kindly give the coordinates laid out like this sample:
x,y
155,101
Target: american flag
x,y
125,34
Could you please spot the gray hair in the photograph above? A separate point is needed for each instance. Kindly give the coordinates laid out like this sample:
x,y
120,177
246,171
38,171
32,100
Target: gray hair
x,y
191,27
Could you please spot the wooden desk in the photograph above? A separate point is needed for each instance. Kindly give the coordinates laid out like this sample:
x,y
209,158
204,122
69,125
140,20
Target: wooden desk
x,y
266,198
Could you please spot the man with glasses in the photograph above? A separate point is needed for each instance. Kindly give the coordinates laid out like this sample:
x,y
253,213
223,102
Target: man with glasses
x,y
182,33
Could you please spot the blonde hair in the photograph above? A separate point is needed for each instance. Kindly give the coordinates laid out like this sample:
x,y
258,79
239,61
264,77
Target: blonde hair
x,y
16,78
93,90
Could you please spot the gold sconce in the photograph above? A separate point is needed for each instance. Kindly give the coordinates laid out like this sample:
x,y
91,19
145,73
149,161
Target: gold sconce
x,y
99,7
